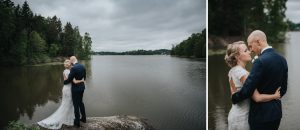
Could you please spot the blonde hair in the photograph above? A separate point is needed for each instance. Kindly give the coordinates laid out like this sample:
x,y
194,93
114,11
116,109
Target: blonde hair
x,y
232,52
67,62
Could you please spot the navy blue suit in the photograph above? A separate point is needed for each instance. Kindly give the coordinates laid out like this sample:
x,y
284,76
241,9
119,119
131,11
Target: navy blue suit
x,y
269,72
78,72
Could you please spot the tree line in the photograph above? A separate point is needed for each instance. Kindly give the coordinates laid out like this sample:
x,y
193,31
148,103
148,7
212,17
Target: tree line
x,y
293,26
194,46
28,38
240,17
136,52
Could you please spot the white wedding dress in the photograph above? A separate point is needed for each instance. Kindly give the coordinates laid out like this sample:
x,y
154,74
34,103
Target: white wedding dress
x,y
238,114
65,113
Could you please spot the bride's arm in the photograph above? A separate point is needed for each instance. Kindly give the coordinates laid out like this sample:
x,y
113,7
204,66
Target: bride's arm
x,y
65,77
232,86
257,97
77,81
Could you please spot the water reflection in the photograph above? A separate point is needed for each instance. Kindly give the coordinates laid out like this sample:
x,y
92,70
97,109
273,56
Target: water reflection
x,y
168,91
218,93
24,88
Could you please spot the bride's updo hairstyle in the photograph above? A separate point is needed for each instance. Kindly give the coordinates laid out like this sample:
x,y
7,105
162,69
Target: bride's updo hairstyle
x,y
232,52
67,63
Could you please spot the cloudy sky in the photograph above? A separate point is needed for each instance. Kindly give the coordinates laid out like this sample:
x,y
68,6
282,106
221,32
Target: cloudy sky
x,y
293,10
122,25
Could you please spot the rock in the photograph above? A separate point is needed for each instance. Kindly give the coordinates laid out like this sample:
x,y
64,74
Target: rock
x,y
122,122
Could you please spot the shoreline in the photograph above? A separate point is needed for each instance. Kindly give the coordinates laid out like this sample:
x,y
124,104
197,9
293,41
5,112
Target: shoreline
x,y
51,61
221,42
217,44
194,58
158,55
212,52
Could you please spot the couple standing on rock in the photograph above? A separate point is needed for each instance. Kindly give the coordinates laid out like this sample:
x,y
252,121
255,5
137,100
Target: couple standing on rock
x,y
72,105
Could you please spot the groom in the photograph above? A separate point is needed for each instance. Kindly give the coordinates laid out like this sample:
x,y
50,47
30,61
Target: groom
x,y
269,71
77,72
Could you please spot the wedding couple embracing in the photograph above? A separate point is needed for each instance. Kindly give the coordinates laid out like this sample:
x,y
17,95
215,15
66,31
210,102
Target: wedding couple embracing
x,y
256,95
72,105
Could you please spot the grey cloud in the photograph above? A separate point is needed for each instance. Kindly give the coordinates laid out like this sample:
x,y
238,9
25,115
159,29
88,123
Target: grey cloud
x,y
122,25
293,10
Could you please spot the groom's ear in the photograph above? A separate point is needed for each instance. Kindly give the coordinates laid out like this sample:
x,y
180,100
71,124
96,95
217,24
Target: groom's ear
x,y
257,42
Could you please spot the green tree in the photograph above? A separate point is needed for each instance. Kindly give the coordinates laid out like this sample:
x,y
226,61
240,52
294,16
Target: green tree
x,y
68,40
276,26
7,27
20,48
38,44
26,15
36,48
53,50
87,46
53,34
194,46
78,47
200,46
29,38
240,17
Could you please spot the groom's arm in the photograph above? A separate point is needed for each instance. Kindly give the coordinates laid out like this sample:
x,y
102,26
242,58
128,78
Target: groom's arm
x,y
70,77
250,84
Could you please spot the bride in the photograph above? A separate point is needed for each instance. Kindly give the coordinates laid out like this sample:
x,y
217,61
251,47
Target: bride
x,y
65,113
237,56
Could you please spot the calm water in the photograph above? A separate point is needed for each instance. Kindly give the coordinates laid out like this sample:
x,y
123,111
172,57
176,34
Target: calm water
x,y
168,91
219,102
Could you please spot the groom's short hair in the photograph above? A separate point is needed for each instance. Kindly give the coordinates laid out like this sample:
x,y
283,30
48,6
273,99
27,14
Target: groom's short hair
x,y
73,59
257,34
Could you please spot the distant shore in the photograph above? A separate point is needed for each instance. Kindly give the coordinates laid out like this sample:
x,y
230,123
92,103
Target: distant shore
x,y
192,57
135,52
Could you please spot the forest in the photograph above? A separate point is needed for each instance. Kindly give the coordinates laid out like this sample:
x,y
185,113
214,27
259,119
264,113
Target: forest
x,y
193,46
29,38
240,17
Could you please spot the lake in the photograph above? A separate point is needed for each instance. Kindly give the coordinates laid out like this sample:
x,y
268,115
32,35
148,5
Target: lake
x,y
168,91
219,102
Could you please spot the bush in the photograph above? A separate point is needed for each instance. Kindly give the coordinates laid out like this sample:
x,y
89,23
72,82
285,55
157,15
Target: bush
x,y
13,125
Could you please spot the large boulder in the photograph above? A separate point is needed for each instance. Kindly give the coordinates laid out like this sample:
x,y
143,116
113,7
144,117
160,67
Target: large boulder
x,y
113,123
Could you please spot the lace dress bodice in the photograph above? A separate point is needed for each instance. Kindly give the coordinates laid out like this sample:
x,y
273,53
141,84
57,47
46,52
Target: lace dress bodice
x,y
66,72
238,115
236,73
